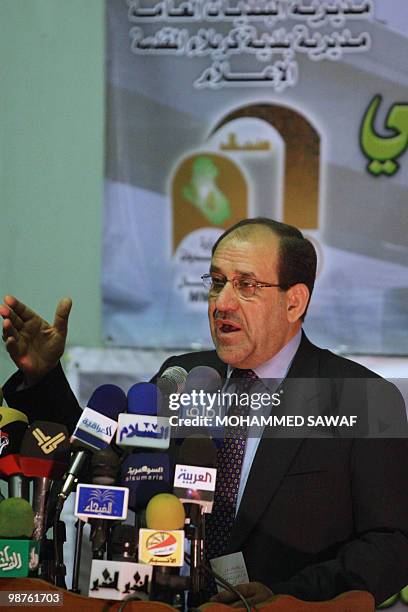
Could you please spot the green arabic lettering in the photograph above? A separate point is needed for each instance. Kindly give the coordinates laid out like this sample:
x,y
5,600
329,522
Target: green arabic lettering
x,y
382,151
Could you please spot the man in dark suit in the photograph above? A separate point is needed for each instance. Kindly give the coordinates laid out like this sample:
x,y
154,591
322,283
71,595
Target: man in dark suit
x,y
313,517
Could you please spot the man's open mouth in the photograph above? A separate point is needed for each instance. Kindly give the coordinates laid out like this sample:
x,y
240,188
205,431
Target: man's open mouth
x,y
227,327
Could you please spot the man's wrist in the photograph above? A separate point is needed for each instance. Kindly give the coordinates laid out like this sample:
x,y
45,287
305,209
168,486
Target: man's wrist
x,y
31,379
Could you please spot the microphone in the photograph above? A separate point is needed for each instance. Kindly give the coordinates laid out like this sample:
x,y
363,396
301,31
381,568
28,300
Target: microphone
x,y
45,452
146,475
202,382
141,427
104,470
16,518
194,484
105,466
165,511
172,380
95,430
18,554
13,424
203,378
195,473
144,398
198,450
122,577
162,545
97,425
101,502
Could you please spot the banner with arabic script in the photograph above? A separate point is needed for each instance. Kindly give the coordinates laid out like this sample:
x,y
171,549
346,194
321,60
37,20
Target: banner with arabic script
x,y
222,109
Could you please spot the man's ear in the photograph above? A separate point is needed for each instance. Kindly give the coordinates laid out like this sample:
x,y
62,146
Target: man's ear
x,y
297,299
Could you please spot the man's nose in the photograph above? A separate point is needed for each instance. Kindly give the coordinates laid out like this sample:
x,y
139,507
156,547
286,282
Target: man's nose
x,y
227,298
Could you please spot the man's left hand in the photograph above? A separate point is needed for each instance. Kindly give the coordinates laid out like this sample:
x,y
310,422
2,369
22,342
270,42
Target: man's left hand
x,y
253,592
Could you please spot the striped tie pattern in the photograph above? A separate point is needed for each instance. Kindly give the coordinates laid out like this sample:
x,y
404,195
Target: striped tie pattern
x,y
229,465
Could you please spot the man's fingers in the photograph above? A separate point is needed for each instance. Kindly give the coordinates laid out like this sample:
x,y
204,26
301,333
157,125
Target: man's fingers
x,y
19,309
253,592
4,311
61,315
11,316
7,313
8,330
225,597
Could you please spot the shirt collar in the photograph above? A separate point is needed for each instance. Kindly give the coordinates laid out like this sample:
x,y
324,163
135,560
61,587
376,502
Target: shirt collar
x,y
278,366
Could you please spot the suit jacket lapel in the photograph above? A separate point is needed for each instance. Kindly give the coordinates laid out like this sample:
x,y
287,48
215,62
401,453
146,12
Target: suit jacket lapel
x,y
274,455
270,464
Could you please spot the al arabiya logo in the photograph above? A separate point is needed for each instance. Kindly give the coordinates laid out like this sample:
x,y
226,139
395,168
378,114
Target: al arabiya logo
x,y
161,544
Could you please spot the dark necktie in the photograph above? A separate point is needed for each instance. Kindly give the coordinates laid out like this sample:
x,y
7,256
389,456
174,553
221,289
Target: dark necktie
x,y
229,465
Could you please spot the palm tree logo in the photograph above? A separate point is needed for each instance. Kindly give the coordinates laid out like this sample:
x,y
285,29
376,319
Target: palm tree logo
x,y
102,496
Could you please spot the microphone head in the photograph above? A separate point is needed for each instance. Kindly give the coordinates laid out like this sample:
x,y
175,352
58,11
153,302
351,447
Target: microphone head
x,y
203,378
10,415
98,422
108,400
195,473
198,450
13,424
144,398
16,518
104,466
165,511
45,450
146,474
172,380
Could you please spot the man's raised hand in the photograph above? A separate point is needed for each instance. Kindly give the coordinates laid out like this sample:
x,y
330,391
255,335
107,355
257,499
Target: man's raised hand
x,y
34,345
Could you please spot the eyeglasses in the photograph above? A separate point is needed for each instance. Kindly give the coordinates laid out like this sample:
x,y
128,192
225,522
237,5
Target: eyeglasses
x,y
245,287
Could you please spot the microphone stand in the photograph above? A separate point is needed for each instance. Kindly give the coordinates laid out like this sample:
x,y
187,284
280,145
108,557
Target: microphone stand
x,y
47,564
104,468
77,556
194,531
168,587
59,534
40,498
19,486
100,535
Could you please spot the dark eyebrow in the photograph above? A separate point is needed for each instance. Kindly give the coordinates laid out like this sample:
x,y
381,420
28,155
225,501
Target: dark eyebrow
x,y
237,272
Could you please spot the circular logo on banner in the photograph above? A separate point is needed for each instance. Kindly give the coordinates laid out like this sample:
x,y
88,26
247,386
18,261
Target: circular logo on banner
x,y
161,544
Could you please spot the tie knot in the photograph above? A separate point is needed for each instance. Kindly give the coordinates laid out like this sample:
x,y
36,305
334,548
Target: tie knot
x,y
244,374
244,379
